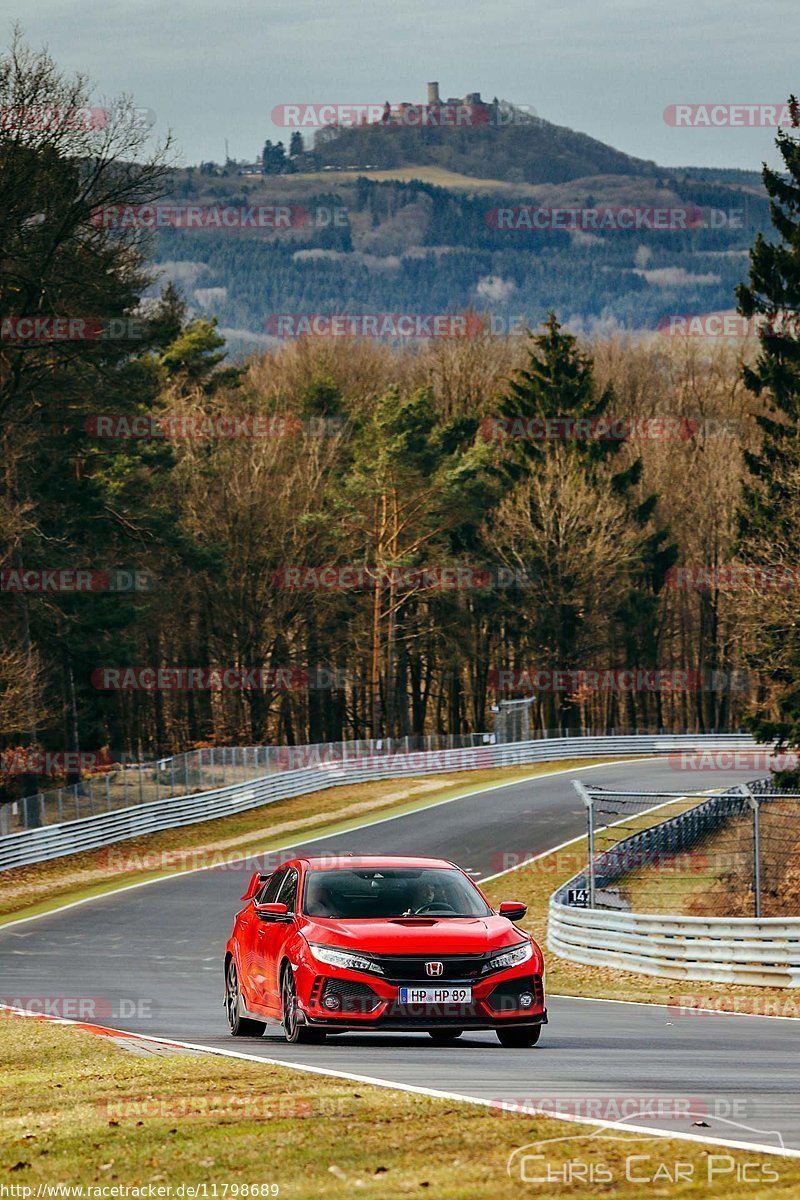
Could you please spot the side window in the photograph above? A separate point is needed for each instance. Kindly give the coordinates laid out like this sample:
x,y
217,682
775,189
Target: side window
x,y
288,894
269,892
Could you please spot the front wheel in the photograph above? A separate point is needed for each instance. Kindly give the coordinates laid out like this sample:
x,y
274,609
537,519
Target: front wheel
x,y
445,1035
293,1031
239,1026
520,1036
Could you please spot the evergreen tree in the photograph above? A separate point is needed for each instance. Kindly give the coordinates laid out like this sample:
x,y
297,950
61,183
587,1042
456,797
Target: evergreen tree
x,y
554,405
273,158
767,518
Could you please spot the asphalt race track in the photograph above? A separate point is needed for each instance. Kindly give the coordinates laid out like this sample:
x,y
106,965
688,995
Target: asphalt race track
x,y
152,958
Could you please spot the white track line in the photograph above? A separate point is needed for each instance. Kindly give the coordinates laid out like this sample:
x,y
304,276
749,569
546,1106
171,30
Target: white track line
x,y
418,1090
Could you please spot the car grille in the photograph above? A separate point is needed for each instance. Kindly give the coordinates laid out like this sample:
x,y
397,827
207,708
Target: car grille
x,y
505,996
458,968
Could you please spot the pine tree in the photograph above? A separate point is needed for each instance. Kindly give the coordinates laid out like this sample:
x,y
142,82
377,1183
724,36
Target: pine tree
x,y
558,386
768,512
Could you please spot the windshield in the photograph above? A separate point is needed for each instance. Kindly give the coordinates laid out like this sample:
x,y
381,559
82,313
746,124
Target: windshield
x,y
392,892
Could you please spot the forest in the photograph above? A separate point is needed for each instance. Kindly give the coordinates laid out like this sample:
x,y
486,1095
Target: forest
x,y
389,246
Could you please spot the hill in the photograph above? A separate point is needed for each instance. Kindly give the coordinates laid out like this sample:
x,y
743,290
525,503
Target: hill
x,y
423,236
527,149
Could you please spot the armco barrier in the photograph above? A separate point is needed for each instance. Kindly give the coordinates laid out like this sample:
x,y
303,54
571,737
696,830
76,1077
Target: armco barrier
x,y
90,833
761,951
738,950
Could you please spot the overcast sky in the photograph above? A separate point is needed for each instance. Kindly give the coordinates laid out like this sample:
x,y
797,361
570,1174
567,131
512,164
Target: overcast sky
x,y
608,68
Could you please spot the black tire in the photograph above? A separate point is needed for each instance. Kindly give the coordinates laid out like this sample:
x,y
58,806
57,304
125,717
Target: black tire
x,y
445,1035
519,1036
239,1026
293,1031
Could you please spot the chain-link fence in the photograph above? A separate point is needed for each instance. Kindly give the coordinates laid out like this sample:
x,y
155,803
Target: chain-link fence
x,y
734,853
121,784
512,720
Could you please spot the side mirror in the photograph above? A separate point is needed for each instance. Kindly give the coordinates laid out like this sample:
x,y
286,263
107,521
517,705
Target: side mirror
x,y
271,912
513,910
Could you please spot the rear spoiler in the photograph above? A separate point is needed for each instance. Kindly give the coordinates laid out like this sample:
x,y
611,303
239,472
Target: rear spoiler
x,y
257,880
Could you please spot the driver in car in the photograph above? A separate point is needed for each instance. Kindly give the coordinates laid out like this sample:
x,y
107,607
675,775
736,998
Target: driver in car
x,y
425,897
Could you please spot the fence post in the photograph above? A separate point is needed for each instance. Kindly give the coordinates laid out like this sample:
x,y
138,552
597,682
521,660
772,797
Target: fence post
x,y
186,773
588,800
755,804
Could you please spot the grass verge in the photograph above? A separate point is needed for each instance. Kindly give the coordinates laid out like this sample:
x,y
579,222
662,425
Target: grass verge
x,y
75,1109
27,891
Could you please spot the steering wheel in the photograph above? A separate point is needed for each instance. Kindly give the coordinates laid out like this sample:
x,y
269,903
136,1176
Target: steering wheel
x,y
436,906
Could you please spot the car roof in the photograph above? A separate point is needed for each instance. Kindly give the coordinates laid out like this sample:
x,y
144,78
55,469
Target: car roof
x,y
335,862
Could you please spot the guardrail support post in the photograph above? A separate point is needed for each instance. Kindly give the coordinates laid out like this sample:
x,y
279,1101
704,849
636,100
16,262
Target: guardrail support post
x,y
588,800
755,804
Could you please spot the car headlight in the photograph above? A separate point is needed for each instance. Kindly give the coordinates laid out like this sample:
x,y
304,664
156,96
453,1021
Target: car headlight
x,y
350,960
508,958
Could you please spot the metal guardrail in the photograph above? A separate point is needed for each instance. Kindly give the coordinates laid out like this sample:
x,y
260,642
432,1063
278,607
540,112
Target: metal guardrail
x,y
741,950
103,829
738,950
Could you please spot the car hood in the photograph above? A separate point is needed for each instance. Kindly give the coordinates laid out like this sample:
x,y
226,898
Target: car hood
x,y
415,935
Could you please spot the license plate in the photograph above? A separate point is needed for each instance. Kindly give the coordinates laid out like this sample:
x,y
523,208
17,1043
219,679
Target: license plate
x,y
435,995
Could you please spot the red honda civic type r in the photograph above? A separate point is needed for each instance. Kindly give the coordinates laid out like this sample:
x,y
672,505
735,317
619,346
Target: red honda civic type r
x,y
337,944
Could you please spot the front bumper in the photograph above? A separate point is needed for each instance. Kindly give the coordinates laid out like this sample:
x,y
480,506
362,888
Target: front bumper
x,y
347,1000
396,1024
